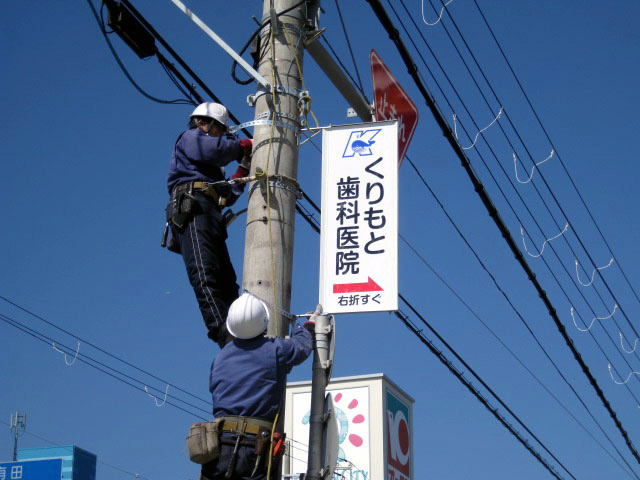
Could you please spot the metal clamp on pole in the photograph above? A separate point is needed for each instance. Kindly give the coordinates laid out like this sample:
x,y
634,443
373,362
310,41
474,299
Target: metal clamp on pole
x,y
279,89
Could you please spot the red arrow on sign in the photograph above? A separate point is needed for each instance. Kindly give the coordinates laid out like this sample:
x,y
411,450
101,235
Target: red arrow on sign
x,y
368,286
391,102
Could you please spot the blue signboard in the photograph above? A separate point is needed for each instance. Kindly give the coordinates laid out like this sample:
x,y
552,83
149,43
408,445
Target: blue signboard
x,y
50,469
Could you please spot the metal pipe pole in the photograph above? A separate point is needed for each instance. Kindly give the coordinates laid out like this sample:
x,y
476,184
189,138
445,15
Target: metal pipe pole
x,y
334,73
319,382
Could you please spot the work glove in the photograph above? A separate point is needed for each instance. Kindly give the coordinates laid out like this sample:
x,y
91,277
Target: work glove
x,y
241,172
246,162
311,323
247,146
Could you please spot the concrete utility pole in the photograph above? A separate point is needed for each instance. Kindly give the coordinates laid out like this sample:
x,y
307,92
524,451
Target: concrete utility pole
x,y
268,251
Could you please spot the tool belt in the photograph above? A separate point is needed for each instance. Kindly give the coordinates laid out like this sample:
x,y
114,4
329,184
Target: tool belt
x,y
237,432
200,187
250,425
182,207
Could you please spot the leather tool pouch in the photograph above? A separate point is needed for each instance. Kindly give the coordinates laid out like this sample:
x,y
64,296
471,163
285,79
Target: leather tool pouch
x,y
169,239
203,441
179,212
183,206
262,441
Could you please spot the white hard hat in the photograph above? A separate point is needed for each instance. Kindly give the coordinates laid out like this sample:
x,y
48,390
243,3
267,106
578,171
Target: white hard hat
x,y
212,110
248,317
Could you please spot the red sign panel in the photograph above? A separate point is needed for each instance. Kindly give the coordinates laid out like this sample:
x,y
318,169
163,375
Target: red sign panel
x,y
391,101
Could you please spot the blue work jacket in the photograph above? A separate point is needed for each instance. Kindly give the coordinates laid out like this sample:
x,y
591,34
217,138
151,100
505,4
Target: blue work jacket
x,y
248,377
200,157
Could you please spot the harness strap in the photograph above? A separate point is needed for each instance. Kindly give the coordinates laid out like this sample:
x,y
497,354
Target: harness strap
x,y
203,187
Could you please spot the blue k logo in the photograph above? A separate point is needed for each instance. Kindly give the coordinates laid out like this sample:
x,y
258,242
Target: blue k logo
x,y
360,142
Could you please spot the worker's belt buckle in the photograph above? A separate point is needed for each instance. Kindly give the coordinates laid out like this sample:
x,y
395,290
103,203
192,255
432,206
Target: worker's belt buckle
x,y
204,188
244,425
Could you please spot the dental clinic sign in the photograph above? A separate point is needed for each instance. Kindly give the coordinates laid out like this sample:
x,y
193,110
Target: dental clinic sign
x,y
359,236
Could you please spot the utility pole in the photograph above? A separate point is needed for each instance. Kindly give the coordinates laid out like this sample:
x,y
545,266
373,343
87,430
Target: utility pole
x,y
17,422
268,251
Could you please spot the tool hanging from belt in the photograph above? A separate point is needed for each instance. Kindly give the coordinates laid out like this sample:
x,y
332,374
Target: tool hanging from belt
x,y
251,432
182,205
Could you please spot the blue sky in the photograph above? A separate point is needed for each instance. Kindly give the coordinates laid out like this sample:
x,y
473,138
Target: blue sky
x,y
83,195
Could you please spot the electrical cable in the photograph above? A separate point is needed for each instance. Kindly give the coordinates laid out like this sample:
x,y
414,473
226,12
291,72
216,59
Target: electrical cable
x,y
181,62
353,58
473,390
253,35
548,356
534,185
613,342
317,229
93,363
115,357
555,150
386,22
323,38
517,193
172,73
103,30
88,360
134,475
484,384
460,376
511,352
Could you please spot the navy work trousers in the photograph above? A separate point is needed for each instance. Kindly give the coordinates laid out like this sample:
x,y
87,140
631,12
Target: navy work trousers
x,y
205,254
245,463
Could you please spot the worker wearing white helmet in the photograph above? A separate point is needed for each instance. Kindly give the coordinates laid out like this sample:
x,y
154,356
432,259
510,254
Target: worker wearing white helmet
x,y
247,383
194,212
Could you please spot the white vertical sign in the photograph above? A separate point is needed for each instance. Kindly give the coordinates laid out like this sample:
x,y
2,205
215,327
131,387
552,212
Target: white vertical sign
x,y
359,236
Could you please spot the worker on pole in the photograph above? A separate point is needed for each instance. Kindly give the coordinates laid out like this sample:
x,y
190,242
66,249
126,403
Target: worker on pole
x,y
247,384
199,192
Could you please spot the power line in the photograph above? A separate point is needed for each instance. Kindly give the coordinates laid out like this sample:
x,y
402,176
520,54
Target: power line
x,y
530,156
177,57
509,178
97,364
115,357
520,361
553,146
121,470
493,212
353,58
315,225
103,30
460,376
483,400
516,191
